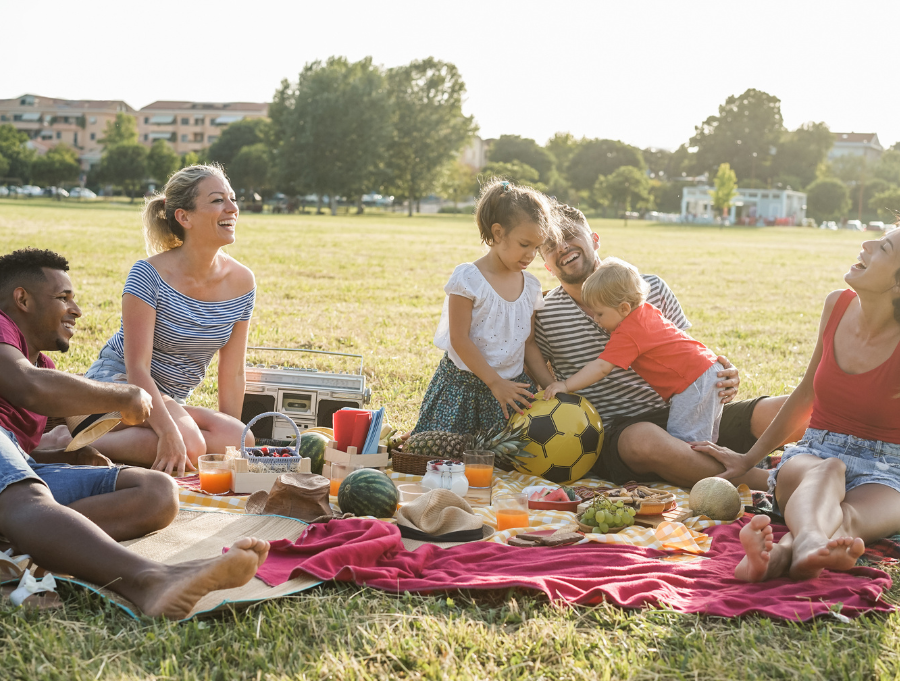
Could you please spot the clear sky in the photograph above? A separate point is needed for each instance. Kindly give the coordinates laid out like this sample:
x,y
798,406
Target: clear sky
x,y
645,72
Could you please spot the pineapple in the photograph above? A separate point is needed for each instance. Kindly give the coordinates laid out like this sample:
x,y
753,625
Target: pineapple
x,y
505,443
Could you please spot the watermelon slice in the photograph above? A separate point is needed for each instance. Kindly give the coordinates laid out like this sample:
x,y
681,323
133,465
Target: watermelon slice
x,y
558,494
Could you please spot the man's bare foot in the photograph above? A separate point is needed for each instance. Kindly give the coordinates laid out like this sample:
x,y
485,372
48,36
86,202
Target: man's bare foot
x,y
173,590
812,557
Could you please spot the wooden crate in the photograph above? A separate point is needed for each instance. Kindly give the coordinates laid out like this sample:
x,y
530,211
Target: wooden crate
x,y
334,455
245,482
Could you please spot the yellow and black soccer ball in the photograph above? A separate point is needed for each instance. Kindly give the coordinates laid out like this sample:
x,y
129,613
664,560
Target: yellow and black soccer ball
x,y
564,434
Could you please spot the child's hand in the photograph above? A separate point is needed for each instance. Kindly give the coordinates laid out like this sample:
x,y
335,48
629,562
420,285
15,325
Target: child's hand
x,y
555,387
510,393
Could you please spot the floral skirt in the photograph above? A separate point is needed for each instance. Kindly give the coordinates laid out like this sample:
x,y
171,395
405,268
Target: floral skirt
x,y
458,401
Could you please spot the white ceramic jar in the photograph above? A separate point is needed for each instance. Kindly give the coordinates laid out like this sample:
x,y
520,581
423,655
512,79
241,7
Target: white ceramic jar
x,y
446,474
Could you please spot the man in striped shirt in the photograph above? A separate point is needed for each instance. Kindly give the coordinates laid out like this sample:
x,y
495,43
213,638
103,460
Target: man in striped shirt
x,y
636,445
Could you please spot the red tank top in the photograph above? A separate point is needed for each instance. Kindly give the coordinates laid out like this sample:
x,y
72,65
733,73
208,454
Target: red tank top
x,y
866,405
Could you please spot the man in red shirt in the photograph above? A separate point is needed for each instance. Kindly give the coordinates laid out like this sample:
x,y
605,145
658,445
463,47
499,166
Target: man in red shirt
x,y
68,517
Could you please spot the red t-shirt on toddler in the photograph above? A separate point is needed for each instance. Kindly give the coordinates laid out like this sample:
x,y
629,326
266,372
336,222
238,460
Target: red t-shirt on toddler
x,y
26,425
658,351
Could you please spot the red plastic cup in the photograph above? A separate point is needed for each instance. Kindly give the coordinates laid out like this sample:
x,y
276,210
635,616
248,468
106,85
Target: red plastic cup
x,y
344,422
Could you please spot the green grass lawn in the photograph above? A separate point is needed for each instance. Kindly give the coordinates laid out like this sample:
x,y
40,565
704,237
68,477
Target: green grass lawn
x,y
372,285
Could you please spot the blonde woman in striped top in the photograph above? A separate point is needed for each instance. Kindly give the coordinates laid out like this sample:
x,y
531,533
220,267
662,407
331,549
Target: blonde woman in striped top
x,y
183,304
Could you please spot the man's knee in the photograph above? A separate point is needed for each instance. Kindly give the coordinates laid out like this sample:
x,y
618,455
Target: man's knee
x,y
640,445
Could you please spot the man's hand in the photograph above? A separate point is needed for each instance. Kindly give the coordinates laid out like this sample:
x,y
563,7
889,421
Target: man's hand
x,y
138,408
729,386
88,456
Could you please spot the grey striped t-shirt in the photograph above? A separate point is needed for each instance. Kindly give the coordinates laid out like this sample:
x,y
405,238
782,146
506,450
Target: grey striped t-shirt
x,y
569,339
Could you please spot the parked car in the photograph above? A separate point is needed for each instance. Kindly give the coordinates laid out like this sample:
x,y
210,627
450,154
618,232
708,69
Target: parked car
x,y
828,224
875,226
56,191
4,191
31,190
854,224
82,193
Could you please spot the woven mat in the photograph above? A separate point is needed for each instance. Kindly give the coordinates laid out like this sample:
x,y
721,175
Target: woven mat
x,y
679,537
201,534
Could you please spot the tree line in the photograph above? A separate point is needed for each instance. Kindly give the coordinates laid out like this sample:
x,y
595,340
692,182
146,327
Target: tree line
x,y
345,129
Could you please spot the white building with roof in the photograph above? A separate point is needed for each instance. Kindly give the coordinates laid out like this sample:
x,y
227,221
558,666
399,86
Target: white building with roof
x,y
749,206
863,144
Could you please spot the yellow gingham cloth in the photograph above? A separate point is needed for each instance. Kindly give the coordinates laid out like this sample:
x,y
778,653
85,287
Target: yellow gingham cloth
x,y
685,537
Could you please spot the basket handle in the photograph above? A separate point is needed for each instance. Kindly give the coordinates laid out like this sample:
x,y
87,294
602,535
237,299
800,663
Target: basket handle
x,y
264,415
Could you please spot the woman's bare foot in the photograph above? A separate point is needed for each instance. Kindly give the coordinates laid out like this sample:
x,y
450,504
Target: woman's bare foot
x,y
811,557
764,559
173,590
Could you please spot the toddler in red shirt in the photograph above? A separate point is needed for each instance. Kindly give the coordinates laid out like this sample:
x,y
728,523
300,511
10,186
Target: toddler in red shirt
x,y
680,369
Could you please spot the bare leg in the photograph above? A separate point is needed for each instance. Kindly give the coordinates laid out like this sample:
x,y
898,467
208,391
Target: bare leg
x,y
203,430
64,541
144,501
651,452
810,490
763,560
765,412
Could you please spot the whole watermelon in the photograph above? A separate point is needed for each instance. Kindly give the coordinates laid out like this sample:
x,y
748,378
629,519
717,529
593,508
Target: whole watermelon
x,y
312,446
367,491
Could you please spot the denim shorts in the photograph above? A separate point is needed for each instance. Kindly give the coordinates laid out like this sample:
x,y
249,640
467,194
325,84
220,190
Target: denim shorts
x,y
67,483
110,368
867,461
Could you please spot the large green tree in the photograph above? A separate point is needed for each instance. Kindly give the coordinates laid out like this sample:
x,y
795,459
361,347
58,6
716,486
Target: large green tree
x,y
888,167
427,125
658,161
162,161
4,165
800,152
121,130
627,188
601,157
510,148
457,182
743,134
330,128
827,199
516,172
236,136
60,164
13,147
125,165
562,146
887,204
249,170
724,189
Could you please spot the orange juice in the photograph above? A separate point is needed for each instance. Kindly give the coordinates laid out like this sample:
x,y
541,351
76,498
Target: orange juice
x,y
335,485
479,474
511,517
215,481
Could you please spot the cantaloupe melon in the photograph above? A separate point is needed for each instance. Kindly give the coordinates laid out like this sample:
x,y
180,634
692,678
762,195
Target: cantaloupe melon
x,y
716,498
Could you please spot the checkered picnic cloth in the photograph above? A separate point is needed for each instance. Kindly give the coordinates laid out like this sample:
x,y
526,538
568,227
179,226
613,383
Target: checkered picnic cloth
x,y
681,537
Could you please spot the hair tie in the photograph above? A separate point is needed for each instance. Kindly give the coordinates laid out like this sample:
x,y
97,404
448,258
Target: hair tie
x,y
505,185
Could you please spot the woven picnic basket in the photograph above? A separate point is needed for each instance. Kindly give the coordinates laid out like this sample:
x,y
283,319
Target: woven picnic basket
x,y
411,464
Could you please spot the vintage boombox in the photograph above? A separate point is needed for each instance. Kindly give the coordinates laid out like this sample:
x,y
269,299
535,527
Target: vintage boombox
x,y
306,396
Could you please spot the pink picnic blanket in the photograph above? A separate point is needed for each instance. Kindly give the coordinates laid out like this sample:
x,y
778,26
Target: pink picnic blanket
x,y
370,553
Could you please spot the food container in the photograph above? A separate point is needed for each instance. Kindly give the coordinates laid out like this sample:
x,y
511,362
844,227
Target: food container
x,y
411,491
539,505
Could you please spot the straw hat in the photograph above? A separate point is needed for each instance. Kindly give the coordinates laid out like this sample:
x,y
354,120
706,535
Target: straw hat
x,y
88,428
442,518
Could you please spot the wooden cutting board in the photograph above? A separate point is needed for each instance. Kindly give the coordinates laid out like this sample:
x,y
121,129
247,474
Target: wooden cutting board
x,y
676,515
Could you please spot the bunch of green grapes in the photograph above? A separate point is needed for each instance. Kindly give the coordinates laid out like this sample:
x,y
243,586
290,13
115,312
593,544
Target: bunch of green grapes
x,y
604,515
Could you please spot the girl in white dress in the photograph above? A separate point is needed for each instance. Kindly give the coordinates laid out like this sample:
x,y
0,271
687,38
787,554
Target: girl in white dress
x,y
486,325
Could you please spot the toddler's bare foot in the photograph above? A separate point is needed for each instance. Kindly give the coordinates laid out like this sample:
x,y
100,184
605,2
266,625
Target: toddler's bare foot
x,y
173,590
764,560
838,554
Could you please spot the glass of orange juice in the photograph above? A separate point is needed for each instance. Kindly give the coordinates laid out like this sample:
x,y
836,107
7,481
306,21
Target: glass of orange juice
x,y
479,468
339,471
511,510
215,473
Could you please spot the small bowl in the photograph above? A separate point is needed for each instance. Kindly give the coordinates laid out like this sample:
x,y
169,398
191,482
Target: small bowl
x,y
571,505
411,492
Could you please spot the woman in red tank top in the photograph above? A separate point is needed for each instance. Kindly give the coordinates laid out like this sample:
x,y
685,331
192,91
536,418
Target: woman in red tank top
x,y
839,488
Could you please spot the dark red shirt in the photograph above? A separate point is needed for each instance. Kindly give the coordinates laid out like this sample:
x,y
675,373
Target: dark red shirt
x,y
26,425
866,405
658,351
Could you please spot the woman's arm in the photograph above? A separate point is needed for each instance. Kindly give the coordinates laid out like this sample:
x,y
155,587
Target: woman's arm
x,y
795,412
138,322
506,392
232,363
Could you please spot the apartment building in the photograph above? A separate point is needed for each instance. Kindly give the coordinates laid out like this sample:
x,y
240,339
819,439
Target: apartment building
x,y
49,121
192,126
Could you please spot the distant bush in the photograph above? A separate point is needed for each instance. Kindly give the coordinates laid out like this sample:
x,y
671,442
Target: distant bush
x,y
455,209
